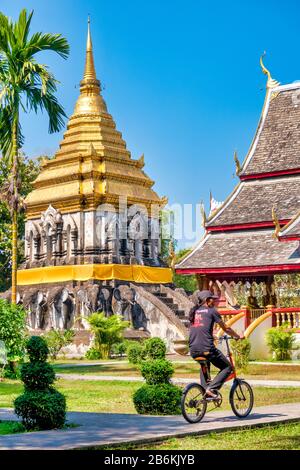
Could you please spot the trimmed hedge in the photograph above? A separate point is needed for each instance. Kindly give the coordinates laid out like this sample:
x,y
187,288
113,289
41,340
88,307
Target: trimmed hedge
x,y
40,406
162,399
41,409
155,348
158,371
135,353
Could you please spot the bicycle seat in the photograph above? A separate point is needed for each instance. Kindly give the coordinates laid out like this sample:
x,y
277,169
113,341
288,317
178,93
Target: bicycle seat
x,y
200,358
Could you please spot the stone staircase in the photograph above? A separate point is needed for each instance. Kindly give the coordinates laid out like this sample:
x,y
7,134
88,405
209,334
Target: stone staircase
x,y
170,303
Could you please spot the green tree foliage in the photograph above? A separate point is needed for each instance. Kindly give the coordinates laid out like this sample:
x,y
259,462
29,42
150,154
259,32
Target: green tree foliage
x,y
188,283
40,406
107,331
29,170
288,290
12,331
56,340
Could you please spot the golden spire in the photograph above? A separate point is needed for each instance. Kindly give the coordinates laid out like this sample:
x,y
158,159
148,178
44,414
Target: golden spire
x,y
90,100
271,83
89,68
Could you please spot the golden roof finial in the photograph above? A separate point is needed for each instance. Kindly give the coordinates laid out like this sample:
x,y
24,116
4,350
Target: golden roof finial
x,y
271,83
164,201
172,255
210,199
89,68
90,100
203,214
237,164
141,161
276,223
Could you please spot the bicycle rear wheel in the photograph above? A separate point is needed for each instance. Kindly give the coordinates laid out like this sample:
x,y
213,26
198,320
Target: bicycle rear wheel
x,y
193,405
241,398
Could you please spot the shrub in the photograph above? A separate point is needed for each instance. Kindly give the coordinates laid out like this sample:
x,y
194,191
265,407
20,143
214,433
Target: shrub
x,y
41,409
156,372
135,353
162,399
107,331
119,349
155,348
93,354
281,341
37,375
40,406
13,334
241,353
56,340
37,349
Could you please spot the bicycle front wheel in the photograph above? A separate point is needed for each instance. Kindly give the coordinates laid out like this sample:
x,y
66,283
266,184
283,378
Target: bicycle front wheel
x,y
193,405
241,398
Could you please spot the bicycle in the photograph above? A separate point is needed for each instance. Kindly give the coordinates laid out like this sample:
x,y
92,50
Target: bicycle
x,y
194,402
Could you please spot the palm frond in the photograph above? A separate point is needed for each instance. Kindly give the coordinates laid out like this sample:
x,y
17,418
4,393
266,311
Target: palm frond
x,y
22,26
48,42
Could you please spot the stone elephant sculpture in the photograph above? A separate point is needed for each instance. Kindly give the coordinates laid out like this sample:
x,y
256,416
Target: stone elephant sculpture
x,y
63,309
125,304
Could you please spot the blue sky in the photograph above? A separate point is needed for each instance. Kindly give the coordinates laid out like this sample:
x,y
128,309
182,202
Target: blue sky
x,y
181,79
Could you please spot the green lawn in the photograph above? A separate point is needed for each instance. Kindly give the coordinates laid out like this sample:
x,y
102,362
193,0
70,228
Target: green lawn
x,y
280,437
10,427
116,397
188,369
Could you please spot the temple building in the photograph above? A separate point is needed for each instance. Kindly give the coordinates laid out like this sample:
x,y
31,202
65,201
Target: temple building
x,y
92,234
239,248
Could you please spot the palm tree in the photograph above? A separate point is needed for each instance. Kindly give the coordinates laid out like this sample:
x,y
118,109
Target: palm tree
x,y
25,85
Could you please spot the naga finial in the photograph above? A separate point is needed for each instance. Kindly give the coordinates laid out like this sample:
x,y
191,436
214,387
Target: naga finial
x,y
276,223
271,83
164,201
172,254
141,161
237,164
203,214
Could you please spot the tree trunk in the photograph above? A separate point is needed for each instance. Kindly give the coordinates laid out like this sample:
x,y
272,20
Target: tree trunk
x,y
14,214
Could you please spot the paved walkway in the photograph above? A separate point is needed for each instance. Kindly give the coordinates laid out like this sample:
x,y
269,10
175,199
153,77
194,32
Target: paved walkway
x,y
99,429
178,380
174,360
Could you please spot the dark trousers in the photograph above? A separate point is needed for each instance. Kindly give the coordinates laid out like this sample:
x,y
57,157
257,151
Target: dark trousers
x,y
217,358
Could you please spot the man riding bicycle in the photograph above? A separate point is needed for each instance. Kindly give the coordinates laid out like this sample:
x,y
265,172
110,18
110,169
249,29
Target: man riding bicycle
x,y
201,340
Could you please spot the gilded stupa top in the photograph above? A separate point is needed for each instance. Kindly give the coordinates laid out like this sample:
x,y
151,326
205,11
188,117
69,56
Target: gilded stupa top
x,y
92,165
90,99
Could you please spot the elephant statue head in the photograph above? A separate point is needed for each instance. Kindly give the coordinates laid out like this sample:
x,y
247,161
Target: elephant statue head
x,y
63,309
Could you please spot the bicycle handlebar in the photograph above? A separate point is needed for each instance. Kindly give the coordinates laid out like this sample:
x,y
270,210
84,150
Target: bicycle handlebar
x,y
225,337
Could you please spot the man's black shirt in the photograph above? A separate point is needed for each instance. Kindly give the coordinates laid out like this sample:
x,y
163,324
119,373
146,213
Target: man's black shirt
x,y
201,331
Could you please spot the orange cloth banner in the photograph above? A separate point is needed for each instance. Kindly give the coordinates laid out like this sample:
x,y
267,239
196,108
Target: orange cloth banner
x,y
101,272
